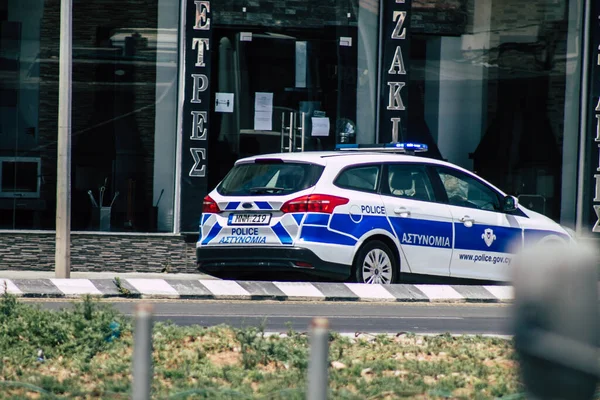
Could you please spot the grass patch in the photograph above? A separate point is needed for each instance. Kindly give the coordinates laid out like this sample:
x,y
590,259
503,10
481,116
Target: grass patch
x,y
87,355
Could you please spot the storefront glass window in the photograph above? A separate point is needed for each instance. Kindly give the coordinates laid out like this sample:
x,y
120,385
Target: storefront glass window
x,y
308,68
25,189
124,111
494,85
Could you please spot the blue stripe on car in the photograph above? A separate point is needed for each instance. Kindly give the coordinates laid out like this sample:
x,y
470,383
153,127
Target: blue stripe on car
x,y
317,219
232,205
505,240
345,223
415,232
282,234
320,234
263,205
212,234
298,217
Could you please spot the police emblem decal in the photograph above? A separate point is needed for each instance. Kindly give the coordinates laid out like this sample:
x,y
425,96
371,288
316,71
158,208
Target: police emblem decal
x,y
488,237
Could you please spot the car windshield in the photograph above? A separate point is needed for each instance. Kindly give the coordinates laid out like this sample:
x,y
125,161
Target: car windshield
x,y
272,178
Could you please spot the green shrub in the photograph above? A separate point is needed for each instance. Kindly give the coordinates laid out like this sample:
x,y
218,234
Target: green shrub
x,y
80,332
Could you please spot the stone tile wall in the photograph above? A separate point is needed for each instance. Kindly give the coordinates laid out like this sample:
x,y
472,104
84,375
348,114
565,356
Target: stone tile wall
x,y
93,252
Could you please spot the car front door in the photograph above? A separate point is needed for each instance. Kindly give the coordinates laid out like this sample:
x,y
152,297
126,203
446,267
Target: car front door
x,y
422,225
485,238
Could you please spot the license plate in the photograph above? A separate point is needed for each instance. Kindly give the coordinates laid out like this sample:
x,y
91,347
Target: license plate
x,y
249,219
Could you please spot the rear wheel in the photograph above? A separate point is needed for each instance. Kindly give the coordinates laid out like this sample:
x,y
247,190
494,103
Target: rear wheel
x,y
375,264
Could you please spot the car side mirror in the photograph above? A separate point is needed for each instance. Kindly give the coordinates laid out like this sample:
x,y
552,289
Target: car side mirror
x,y
510,203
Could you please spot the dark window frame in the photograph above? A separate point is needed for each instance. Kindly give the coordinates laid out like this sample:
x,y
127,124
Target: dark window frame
x,y
385,189
439,188
356,166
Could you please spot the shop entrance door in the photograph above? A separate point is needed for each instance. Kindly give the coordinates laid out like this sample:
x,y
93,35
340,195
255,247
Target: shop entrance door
x,y
288,91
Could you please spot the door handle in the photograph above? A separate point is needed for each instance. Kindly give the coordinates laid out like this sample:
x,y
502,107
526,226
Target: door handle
x,y
468,221
402,211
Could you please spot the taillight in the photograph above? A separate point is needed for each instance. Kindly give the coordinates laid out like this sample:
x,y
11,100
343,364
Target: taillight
x,y
209,206
321,203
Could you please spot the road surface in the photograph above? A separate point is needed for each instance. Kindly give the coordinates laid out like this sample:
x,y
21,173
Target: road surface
x,y
343,317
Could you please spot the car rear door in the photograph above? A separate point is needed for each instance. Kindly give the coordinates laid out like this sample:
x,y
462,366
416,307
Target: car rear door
x,y
423,227
485,238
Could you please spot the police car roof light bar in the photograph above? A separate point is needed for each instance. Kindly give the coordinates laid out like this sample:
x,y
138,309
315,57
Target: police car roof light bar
x,y
405,148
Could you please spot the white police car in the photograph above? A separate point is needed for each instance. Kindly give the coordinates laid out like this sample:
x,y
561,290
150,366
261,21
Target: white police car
x,y
366,215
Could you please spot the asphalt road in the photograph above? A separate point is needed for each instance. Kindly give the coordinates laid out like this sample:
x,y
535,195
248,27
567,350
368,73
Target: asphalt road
x,y
343,317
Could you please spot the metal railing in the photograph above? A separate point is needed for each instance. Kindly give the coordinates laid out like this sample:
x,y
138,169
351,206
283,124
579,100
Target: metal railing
x,y
142,368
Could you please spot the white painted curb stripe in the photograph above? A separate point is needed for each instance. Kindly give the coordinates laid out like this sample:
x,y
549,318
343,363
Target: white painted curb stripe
x,y
374,292
153,287
224,288
10,286
299,289
76,286
440,292
501,292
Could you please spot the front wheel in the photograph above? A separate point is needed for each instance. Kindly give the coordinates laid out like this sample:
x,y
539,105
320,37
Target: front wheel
x,y
375,264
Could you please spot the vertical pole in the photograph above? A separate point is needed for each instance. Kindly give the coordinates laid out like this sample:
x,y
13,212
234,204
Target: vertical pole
x,y
318,383
142,353
282,131
585,98
62,257
291,136
302,129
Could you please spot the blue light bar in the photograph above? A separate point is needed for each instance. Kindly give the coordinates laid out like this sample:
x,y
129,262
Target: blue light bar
x,y
385,147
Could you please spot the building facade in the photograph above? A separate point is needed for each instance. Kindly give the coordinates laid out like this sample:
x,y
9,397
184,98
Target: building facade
x,y
167,94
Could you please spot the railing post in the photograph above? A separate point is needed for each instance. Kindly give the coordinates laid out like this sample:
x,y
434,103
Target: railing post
x,y
142,353
318,380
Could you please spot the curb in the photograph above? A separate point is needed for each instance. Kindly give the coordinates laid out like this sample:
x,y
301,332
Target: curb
x,y
254,290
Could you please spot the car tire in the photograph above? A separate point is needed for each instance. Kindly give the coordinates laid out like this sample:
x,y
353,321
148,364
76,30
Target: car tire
x,y
375,263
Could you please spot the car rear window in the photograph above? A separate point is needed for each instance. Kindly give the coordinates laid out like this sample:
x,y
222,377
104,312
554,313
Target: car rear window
x,y
269,178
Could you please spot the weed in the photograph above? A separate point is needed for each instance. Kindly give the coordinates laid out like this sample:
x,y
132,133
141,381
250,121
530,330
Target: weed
x,y
8,303
120,288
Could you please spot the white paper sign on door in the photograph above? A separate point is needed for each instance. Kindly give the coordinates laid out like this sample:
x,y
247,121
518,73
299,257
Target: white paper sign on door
x,y
263,111
263,121
320,126
263,101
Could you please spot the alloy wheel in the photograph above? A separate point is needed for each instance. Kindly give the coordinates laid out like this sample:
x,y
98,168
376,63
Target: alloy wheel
x,y
377,267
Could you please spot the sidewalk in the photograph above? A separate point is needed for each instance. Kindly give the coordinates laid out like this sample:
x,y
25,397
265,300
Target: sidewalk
x,y
201,286
102,275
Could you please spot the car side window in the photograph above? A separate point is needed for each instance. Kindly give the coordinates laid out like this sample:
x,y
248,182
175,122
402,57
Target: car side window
x,y
465,191
408,181
363,178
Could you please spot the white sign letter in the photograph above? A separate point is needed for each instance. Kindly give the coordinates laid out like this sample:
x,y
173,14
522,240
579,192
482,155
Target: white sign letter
x,y
596,227
395,123
397,62
199,155
203,42
200,85
202,9
396,33
395,101
198,129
